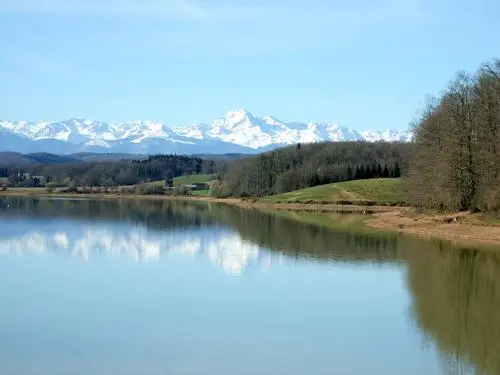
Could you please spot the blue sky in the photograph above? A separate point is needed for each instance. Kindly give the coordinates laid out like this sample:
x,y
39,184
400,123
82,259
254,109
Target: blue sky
x,y
361,63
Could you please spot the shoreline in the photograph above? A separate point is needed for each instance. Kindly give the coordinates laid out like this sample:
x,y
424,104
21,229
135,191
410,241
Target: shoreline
x,y
240,202
461,227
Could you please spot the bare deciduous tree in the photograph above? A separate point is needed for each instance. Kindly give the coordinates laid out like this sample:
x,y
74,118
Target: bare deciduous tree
x,y
455,164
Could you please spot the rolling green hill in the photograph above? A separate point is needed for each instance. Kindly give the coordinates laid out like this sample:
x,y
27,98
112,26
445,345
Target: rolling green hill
x,y
194,178
378,190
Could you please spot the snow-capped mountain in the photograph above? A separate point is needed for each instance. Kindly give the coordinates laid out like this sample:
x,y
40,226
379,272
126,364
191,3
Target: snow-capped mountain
x,y
237,131
387,135
242,128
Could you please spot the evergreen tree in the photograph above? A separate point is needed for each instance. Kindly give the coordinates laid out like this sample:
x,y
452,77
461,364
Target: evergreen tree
x,y
385,172
362,172
349,173
366,172
379,171
357,174
397,171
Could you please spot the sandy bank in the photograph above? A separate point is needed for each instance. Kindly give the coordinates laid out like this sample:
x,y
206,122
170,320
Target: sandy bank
x,y
460,227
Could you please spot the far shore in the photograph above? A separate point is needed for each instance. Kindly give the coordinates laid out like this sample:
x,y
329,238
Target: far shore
x,y
241,202
461,227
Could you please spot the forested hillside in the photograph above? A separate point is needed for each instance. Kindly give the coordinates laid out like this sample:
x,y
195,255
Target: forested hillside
x,y
302,166
14,158
126,172
456,160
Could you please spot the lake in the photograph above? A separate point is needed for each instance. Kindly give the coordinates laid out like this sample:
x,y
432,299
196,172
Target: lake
x,y
157,287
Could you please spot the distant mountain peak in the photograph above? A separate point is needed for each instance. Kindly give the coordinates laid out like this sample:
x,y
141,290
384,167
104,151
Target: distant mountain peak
x,y
238,112
272,120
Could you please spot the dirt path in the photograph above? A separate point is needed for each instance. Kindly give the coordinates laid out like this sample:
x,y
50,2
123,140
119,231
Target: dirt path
x,y
347,195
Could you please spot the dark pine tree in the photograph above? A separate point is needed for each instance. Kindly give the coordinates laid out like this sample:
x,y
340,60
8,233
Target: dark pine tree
x,y
385,172
357,174
368,172
362,173
397,171
349,173
379,171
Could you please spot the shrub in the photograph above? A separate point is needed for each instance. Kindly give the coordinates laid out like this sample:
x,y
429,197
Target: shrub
x,y
150,189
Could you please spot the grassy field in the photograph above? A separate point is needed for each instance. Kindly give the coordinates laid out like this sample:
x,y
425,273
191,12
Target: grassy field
x,y
194,178
380,191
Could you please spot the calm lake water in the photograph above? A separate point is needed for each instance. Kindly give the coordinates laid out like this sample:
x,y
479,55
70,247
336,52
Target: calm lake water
x,y
101,287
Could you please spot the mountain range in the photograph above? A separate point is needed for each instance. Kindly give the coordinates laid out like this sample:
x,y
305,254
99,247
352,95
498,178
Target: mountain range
x,y
239,131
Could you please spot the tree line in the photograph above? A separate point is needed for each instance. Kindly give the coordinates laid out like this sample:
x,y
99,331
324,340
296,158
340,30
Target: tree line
x,y
308,165
455,162
371,171
107,174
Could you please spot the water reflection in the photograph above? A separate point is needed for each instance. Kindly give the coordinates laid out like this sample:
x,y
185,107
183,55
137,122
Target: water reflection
x,y
224,248
163,220
455,291
456,302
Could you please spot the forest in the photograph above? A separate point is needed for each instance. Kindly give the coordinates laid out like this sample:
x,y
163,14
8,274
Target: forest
x,y
308,165
278,171
107,174
455,161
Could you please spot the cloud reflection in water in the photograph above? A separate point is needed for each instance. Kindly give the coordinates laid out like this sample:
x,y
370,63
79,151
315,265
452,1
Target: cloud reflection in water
x,y
221,247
